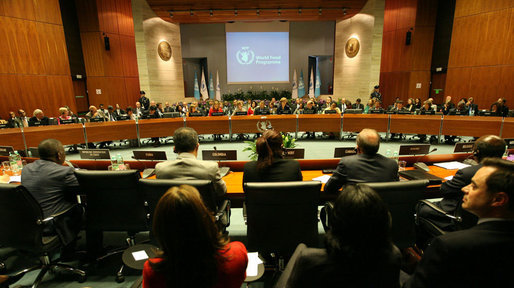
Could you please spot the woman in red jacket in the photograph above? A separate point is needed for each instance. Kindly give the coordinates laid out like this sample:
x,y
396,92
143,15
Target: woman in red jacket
x,y
193,252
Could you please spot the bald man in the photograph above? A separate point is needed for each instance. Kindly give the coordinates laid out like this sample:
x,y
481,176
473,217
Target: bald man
x,y
366,166
54,187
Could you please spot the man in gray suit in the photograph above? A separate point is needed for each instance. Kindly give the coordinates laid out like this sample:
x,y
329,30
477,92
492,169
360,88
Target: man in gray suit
x,y
186,166
54,187
366,166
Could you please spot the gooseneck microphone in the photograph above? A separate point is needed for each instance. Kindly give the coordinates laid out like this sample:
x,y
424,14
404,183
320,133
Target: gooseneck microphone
x,y
421,165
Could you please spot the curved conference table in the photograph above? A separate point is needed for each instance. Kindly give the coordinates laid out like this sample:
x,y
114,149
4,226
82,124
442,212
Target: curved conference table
x,y
475,126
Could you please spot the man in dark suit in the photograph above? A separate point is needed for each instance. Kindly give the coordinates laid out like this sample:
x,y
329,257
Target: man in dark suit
x,y
118,111
145,102
482,255
376,93
152,114
54,187
358,104
366,166
487,146
168,108
471,107
38,119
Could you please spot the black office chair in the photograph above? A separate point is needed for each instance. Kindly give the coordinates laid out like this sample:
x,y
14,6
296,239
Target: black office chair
x,y
401,198
430,226
281,215
22,224
113,203
153,189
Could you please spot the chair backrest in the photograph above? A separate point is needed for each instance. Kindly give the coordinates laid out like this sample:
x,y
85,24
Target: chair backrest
x,y
280,215
153,189
401,198
113,202
20,219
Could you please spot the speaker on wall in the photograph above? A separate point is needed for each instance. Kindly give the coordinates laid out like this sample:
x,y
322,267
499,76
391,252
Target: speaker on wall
x,y
106,43
408,38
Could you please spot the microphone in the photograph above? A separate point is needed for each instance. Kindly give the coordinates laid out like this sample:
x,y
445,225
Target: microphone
x,y
421,165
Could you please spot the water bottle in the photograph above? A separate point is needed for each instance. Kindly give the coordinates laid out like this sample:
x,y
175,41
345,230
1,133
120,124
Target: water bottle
x,y
388,153
17,158
114,163
120,163
13,163
395,156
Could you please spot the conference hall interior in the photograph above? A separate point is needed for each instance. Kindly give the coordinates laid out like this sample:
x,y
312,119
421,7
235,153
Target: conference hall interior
x,y
256,113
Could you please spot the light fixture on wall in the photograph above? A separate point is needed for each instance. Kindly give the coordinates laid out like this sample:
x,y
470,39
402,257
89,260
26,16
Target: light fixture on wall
x,y
300,11
319,12
164,50
279,12
235,12
190,12
258,12
344,11
171,13
210,13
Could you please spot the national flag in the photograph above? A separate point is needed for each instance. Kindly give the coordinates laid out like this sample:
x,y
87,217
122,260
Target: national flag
x,y
197,89
317,86
218,89
203,88
211,86
301,86
311,85
294,94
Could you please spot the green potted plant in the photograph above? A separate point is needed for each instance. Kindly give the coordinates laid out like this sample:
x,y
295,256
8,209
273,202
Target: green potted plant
x,y
288,141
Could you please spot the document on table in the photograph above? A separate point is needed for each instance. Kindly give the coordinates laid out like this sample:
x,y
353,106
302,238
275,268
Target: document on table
x,y
15,179
452,165
253,264
323,179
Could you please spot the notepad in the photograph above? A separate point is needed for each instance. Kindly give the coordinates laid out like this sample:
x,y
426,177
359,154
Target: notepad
x,y
253,264
322,179
140,255
452,165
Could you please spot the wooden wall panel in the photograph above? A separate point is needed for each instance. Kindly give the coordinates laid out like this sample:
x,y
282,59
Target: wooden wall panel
x,y
53,49
484,84
112,59
471,7
48,11
457,81
407,14
463,47
129,56
422,45
386,61
422,77
482,41
509,52
107,16
132,88
34,93
61,89
125,19
6,59
92,45
23,45
23,9
391,17
490,48
87,15
9,94
425,13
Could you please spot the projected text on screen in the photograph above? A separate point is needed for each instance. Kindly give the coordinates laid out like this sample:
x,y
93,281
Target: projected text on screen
x,y
257,57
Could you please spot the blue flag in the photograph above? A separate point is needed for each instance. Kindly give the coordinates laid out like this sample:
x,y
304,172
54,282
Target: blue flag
x,y
197,88
211,86
301,86
317,87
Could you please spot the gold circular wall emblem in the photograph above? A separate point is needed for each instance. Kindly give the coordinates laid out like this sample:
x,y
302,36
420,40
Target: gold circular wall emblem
x,y
352,47
164,50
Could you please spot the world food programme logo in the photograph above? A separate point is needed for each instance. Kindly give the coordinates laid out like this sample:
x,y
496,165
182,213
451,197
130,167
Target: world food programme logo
x,y
263,125
245,56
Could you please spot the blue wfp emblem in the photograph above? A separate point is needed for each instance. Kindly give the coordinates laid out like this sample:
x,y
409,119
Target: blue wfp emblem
x,y
245,56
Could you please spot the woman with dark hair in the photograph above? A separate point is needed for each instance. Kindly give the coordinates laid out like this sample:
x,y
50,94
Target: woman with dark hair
x,y
270,165
193,252
359,250
417,103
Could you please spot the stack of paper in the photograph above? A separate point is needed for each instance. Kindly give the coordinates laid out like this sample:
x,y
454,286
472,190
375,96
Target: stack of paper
x,y
452,165
253,264
322,179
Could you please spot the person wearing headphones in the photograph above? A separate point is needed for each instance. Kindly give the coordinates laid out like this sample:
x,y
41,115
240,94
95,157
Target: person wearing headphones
x,y
487,146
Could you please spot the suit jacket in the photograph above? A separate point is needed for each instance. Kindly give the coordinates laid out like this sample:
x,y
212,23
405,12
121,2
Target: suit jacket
x,y
145,103
117,114
280,170
358,106
313,267
169,109
43,121
477,257
362,168
281,110
451,190
53,186
187,167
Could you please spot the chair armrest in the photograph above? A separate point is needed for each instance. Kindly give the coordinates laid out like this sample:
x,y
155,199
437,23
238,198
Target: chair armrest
x,y
221,209
245,215
440,211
